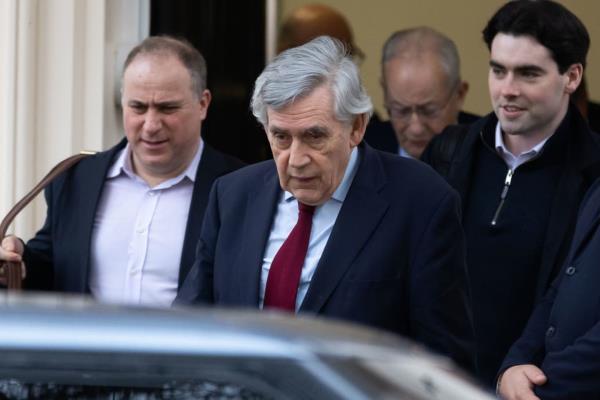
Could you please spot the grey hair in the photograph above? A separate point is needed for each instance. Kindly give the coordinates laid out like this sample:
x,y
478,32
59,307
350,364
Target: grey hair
x,y
296,72
422,39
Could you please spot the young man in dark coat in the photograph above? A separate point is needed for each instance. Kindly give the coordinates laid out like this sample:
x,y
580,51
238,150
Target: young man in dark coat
x,y
522,170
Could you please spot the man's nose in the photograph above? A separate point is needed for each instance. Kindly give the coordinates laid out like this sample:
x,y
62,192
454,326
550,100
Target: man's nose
x,y
152,121
510,87
415,124
298,154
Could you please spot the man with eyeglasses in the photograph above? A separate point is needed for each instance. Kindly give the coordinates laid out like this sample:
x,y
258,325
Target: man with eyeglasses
x,y
522,172
423,91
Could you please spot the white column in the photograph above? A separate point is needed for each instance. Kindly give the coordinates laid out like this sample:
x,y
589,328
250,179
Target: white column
x,y
18,108
56,87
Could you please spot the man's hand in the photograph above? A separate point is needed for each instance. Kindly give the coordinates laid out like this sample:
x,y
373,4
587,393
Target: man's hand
x,y
517,383
11,250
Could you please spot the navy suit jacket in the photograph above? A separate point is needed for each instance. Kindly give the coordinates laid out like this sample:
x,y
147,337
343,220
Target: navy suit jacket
x,y
58,257
562,336
394,260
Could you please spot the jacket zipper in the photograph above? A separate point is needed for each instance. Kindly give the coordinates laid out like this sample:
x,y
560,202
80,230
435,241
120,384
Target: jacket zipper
x,y
507,181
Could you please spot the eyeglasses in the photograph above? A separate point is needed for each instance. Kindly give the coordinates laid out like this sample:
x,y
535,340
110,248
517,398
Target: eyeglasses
x,y
425,112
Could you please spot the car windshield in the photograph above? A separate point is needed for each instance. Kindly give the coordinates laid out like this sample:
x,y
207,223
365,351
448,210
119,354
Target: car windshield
x,y
175,390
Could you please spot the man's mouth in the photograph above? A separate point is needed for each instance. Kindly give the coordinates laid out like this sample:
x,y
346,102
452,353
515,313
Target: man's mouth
x,y
153,143
511,110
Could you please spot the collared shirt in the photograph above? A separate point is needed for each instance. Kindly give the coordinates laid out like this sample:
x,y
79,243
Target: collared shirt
x,y
324,218
138,235
509,158
403,153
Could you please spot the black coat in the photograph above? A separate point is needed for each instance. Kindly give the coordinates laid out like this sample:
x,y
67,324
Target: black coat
x,y
581,169
454,154
562,336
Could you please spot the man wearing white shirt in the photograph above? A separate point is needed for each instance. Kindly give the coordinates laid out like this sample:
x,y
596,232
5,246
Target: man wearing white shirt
x,y
123,224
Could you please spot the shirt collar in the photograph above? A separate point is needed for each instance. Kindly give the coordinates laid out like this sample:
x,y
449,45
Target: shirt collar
x,y
501,147
122,165
403,153
344,186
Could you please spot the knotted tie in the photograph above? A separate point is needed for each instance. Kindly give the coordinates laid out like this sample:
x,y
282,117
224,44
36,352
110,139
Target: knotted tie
x,y
284,275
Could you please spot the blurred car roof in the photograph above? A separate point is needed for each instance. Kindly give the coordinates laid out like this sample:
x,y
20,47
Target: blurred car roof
x,y
66,340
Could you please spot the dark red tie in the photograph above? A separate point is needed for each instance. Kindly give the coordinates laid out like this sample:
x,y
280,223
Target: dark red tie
x,y
284,275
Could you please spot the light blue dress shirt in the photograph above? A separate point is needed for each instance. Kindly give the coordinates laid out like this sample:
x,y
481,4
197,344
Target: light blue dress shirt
x,y
403,153
324,219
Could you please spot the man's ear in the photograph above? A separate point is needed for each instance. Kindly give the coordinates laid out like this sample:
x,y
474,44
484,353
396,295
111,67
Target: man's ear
x,y
359,127
573,77
461,95
204,102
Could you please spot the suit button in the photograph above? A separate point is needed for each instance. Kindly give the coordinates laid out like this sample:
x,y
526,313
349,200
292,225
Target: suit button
x,y
570,270
550,331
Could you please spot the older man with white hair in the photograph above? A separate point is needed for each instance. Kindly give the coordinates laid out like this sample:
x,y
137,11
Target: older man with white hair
x,y
331,226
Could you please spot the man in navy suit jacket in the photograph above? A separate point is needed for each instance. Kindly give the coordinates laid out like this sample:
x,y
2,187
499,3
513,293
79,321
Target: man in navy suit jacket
x,y
386,247
123,224
557,357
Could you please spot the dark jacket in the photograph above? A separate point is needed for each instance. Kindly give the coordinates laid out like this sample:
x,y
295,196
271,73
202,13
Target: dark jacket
x,y
394,260
455,154
581,169
58,257
562,336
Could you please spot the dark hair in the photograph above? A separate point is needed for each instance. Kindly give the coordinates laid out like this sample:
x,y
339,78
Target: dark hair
x,y
178,47
550,23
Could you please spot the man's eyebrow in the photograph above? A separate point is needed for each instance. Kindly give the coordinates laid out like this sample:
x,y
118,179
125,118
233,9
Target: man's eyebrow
x,y
529,68
160,104
135,102
168,103
495,64
276,129
518,68
317,130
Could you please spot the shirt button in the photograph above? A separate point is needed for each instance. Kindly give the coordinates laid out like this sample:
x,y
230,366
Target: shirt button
x,y
570,270
550,331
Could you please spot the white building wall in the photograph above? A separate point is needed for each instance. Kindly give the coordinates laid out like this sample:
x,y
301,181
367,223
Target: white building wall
x,y
57,83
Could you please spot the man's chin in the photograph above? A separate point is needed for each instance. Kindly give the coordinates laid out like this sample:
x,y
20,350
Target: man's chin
x,y
512,127
308,196
415,150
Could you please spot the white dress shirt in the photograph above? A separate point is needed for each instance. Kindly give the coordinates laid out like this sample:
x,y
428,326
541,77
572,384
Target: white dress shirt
x,y
138,235
512,161
324,218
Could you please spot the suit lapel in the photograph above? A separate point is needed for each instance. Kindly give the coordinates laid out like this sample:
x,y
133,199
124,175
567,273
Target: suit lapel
x,y
90,178
581,168
359,216
211,167
261,204
583,234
